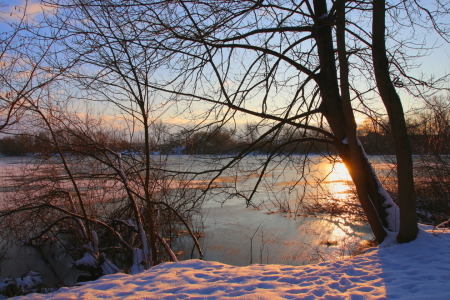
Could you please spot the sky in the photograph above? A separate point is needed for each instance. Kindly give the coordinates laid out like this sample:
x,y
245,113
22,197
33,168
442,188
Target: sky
x,y
436,63
13,10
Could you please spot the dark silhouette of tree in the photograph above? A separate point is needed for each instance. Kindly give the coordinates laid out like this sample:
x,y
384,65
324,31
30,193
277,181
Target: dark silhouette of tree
x,y
301,64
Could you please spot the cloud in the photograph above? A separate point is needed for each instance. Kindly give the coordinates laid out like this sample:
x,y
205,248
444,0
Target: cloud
x,y
176,121
15,10
36,8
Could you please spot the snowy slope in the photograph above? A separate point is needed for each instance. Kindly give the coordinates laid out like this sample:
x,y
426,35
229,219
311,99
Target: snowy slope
x,y
418,270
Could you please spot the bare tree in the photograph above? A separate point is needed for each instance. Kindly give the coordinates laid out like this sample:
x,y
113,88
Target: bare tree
x,y
98,191
408,217
273,61
152,202
27,64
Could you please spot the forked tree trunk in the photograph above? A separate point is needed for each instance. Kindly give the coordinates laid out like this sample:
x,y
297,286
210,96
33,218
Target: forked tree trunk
x,y
355,161
408,216
379,208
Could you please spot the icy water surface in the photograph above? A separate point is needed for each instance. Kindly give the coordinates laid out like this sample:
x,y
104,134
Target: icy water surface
x,y
235,233
239,235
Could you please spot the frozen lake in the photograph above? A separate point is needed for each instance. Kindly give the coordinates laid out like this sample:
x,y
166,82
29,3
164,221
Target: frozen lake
x,y
277,229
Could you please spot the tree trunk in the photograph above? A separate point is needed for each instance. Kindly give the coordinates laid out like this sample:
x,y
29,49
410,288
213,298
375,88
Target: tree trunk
x,y
357,164
379,208
408,217
150,206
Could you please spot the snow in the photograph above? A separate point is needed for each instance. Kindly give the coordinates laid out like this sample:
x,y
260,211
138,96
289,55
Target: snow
x,y
27,284
87,261
137,266
393,212
417,270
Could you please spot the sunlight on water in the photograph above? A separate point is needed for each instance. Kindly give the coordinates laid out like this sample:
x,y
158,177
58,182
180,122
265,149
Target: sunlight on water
x,y
338,180
340,170
280,230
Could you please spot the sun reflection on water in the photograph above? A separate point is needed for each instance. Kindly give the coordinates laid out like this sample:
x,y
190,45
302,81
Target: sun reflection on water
x,y
338,181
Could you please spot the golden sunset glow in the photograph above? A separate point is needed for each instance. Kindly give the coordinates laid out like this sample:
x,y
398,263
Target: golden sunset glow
x,y
340,171
338,180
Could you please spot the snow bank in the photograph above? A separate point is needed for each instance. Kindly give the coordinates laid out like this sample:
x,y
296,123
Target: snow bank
x,y
31,282
418,270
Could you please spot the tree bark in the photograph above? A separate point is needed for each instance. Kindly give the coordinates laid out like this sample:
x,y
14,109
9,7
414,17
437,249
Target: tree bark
x,y
357,164
379,210
408,217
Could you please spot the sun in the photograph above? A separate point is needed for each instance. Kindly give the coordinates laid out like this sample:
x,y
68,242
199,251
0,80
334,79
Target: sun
x,y
338,181
340,170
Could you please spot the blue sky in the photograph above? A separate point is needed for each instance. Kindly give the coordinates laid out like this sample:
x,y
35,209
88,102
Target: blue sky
x,y
435,63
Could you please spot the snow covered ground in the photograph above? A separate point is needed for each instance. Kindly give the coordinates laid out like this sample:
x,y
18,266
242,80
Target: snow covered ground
x,y
418,270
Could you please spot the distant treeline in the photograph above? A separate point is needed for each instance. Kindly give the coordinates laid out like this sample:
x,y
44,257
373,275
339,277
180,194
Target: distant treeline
x,y
427,135
217,141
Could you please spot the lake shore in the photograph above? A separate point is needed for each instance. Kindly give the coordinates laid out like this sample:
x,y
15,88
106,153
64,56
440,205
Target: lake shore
x,y
417,270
